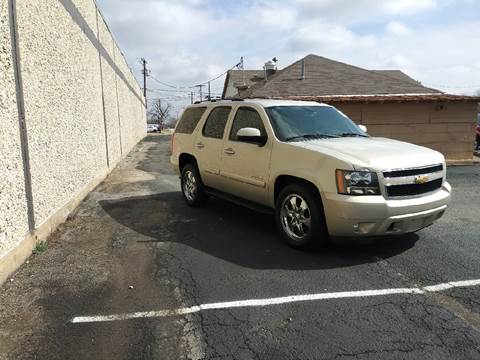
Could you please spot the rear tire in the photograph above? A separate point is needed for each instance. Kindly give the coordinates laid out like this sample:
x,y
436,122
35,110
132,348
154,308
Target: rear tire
x,y
193,189
299,216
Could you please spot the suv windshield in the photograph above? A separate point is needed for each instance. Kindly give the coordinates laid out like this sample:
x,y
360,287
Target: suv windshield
x,y
308,122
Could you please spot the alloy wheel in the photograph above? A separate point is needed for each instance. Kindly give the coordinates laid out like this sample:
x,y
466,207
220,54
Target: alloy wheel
x,y
295,217
189,185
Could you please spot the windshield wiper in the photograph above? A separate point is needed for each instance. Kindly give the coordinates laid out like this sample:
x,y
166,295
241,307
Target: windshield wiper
x,y
351,135
311,136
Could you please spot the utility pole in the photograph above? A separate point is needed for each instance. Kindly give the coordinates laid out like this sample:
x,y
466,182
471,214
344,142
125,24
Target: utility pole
x,y
209,97
200,87
145,73
191,97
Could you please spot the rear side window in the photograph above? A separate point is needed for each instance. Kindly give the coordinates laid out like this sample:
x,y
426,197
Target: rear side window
x,y
246,117
215,124
189,120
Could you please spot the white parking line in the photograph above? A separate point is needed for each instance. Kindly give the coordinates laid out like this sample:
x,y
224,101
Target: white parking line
x,y
275,301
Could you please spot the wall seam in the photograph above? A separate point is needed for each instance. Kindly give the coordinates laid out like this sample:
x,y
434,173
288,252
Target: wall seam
x,y
12,11
116,42
77,17
103,91
118,103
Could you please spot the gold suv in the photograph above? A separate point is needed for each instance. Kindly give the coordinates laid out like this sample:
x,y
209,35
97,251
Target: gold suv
x,y
320,173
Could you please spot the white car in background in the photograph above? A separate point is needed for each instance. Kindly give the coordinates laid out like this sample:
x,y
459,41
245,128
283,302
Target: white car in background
x,y
153,127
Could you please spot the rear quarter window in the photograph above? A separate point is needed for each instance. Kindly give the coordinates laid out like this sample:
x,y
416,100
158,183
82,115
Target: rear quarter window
x,y
189,120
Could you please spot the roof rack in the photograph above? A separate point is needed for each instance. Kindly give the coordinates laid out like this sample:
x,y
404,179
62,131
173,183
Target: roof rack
x,y
215,100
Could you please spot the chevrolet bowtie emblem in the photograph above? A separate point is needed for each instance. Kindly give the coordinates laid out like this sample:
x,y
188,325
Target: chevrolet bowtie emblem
x,y
421,179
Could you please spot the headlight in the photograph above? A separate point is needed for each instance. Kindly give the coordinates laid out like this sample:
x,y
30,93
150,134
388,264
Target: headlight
x,y
357,182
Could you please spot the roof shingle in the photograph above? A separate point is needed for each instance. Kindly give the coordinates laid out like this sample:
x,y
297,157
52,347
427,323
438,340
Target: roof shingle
x,y
325,77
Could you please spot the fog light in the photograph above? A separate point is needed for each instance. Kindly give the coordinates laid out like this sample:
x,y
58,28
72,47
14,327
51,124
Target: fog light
x,y
395,227
363,228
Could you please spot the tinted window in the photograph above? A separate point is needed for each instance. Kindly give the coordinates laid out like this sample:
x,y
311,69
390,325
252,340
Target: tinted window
x,y
296,122
246,117
215,124
189,120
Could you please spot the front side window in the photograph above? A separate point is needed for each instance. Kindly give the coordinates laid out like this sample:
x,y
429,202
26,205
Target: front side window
x,y
189,120
215,124
246,118
292,123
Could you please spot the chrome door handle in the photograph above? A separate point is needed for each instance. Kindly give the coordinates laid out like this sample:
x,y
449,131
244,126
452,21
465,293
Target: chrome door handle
x,y
229,151
200,145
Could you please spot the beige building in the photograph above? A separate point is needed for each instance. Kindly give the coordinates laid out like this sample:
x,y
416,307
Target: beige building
x,y
70,110
389,103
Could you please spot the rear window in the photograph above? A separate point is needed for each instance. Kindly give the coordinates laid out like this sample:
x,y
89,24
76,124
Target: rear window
x,y
189,120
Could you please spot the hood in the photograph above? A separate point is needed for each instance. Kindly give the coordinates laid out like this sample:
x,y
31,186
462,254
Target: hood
x,y
374,153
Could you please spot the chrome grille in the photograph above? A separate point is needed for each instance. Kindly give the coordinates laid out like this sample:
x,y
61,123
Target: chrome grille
x,y
412,172
414,181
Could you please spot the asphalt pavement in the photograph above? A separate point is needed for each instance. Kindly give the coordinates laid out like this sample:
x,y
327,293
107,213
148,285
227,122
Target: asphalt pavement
x,y
133,248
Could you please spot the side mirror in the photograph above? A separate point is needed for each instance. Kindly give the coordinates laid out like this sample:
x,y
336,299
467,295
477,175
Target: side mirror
x,y
363,128
251,135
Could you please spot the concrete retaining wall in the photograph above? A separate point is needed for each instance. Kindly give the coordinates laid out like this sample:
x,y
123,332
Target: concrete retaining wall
x,y
83,112
13,207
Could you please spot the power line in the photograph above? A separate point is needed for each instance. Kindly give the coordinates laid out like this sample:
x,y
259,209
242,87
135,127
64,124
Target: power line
x,y
184,96
169,90
167,84
239,65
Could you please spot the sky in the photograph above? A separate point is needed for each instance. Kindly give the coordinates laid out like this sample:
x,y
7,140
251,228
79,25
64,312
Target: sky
x,y
188,42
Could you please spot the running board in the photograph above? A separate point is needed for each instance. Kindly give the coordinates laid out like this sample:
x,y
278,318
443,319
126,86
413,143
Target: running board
x,y
239,201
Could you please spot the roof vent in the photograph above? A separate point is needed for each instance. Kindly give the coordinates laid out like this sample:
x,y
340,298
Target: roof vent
x,y
270,68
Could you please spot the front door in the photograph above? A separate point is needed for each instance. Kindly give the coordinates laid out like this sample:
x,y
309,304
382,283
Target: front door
x,y
209,146
245,166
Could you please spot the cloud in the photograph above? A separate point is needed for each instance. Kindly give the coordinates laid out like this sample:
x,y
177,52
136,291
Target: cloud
x,y
360,11
397,28
191,41
328,36
408,7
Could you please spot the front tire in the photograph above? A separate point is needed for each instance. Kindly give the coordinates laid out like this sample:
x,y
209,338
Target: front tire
x,y
192,186
299,216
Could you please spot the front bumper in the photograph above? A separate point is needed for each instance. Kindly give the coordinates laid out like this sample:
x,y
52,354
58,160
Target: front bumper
x,y
366,216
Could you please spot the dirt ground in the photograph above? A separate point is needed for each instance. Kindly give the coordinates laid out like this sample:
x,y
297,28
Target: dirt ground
x,y
93,264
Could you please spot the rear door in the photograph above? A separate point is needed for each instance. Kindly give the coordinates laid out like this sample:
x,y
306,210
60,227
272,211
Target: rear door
x,y
209,145
246,165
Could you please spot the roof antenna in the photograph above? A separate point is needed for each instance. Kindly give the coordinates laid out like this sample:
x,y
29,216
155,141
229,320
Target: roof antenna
x,y
303,70
242,67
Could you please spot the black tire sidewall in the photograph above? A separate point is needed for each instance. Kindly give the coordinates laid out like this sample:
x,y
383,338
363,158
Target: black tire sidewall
x,y
318,234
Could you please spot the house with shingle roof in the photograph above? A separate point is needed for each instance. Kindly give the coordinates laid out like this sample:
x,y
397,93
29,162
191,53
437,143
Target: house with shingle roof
x,y
389,102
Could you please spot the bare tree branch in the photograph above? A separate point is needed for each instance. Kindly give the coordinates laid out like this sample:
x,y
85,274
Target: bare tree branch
x,y
159,112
